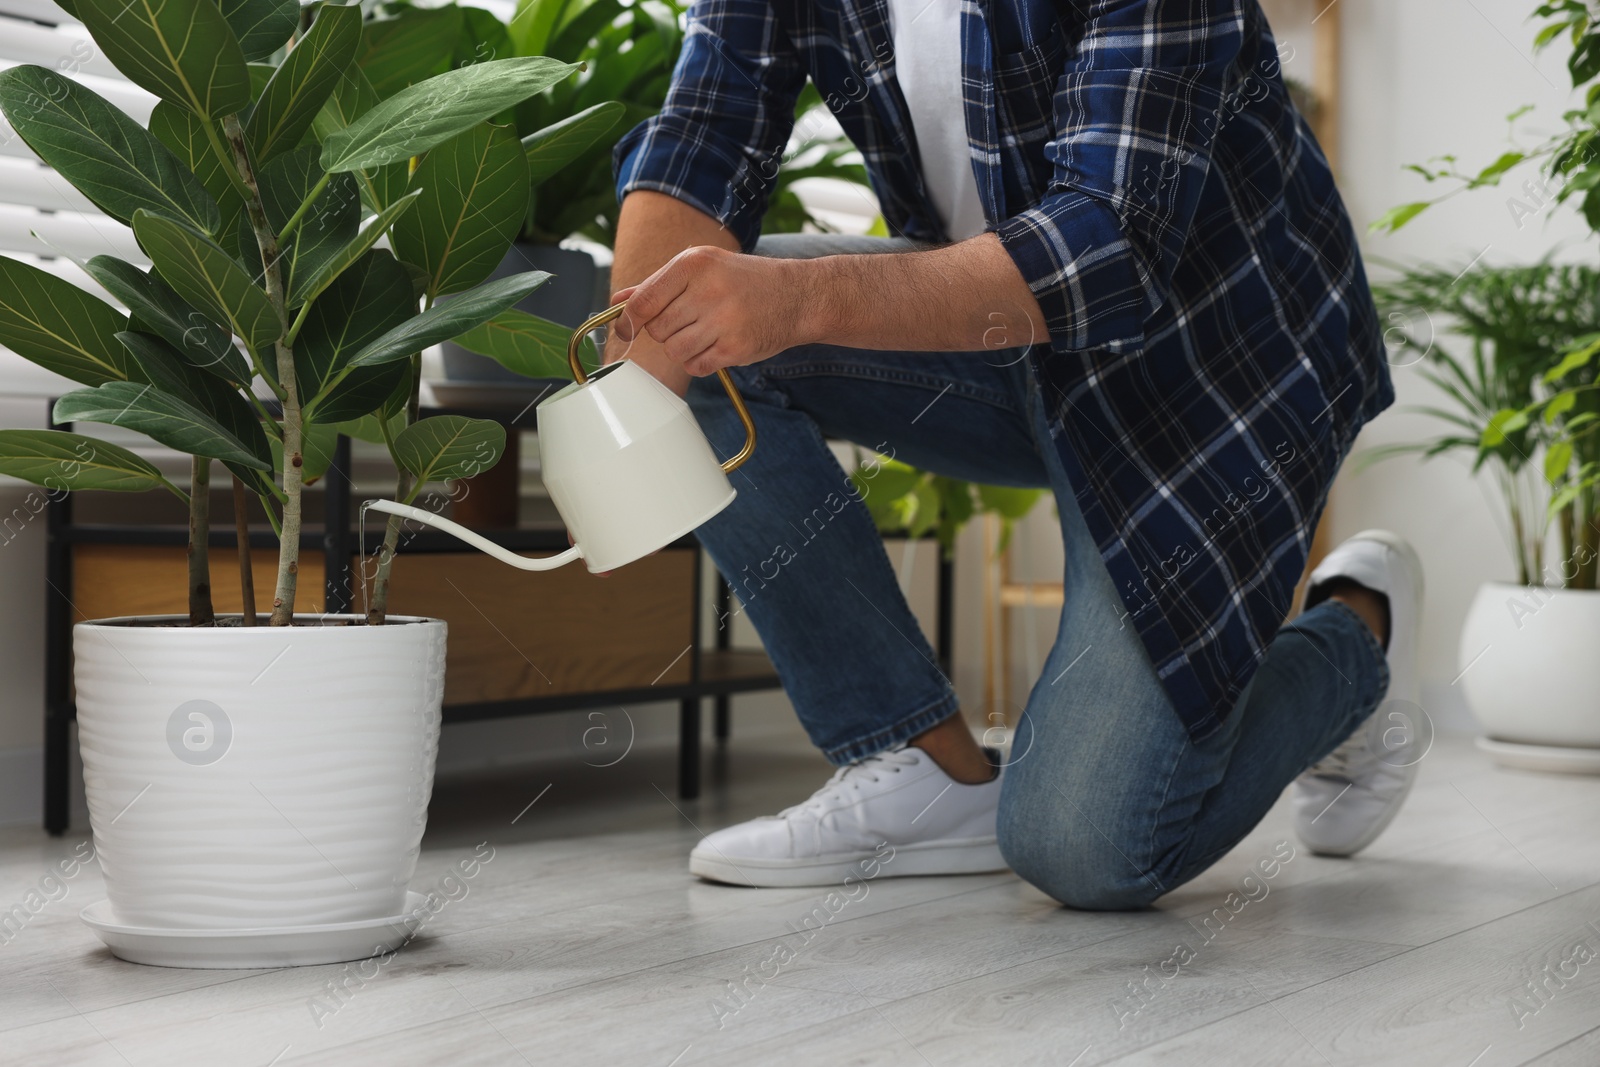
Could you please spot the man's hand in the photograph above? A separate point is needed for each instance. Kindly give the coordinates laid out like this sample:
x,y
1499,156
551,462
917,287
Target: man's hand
x,y
652,228
709,308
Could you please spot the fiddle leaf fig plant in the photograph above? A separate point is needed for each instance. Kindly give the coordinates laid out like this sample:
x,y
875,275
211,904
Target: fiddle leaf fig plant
x,y
268,318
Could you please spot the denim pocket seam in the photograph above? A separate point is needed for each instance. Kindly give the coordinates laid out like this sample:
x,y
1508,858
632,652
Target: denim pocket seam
x,y
843,369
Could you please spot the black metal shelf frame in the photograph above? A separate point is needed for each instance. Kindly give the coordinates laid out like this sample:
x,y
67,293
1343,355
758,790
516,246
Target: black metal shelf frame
x,y
737,671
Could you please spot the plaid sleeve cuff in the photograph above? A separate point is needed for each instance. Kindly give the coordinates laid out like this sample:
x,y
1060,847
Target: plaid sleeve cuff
x,y
695,166
1081,268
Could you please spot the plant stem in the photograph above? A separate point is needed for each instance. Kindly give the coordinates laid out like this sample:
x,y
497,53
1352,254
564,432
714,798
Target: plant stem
x,y
293,481
1589,539
229,169
378,609
305,205
1519,538
200,611
241,531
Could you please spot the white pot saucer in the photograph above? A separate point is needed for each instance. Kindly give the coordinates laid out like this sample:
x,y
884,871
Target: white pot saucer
x,y
283,946
1560,759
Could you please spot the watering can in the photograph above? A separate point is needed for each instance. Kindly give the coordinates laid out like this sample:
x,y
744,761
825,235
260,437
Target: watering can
x,y
624,461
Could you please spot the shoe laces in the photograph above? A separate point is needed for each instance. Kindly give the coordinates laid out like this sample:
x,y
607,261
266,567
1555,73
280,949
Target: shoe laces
x,y
1352,759
871,769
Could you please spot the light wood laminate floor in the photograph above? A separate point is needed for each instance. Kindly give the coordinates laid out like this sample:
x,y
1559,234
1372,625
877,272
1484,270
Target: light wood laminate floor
x,y
585,941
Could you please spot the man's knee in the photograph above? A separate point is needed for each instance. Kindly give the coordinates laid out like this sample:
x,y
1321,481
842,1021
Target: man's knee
x,y
1064,855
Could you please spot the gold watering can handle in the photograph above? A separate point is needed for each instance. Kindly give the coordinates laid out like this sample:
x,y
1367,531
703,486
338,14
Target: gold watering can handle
x,y
614,311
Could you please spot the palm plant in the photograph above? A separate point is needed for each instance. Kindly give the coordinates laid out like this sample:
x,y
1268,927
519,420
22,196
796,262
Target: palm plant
x,y
1515,321
270,320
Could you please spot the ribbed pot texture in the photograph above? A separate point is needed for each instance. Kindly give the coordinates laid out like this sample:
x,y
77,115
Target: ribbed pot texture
x,y
258,777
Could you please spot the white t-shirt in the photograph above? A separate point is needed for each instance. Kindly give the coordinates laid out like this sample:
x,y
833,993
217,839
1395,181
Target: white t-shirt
x,y
927,64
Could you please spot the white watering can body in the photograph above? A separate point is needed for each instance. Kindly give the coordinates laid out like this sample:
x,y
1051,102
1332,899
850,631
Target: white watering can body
x,y
625,463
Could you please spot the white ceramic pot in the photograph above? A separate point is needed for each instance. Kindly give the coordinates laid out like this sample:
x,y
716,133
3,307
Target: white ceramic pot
x,y
1531,658
253,777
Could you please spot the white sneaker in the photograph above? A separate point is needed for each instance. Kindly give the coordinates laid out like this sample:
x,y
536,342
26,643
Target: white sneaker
x,y
1344,801
889,815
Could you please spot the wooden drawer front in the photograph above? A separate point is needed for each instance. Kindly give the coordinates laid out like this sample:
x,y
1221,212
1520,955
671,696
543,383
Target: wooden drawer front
x,y
521,634
512,634
110,580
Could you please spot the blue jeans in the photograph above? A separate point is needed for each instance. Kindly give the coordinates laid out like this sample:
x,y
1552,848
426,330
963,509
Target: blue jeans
x,y
1107,802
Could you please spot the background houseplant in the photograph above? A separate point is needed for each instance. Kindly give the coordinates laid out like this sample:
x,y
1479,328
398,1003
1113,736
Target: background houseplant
x,y
247,193
905,501
1526,653
1515,322
627,51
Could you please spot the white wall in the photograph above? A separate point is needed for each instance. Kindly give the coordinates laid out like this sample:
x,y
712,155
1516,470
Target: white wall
x,y
1425,78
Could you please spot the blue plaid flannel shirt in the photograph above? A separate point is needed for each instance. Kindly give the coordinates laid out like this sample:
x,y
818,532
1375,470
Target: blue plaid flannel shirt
x,y
1213,346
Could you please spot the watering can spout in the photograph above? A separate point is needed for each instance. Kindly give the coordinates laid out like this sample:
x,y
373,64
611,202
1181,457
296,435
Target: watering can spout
x,y
482,544
625,464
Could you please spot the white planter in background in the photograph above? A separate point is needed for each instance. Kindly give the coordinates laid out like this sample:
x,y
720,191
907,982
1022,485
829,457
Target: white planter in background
x,y
249,778
1531,662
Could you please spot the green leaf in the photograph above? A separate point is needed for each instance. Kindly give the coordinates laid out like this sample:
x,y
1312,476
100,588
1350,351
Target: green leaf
x,y
579,24
328,225
1491,174
318,280
483,37
316,451
431,112
1557,461
526,344
926,516
1006,501
892,479
262,26
184,135
449,446
532,24
209,278
203,343
58,326
474,196
413,46
1504,422
444,321
164,418
955,509
301,86
107,156
555,146
59,460
366,428
352,98
181,50
361,305
168,371
1397,217
1584,63
1571,361
1559,405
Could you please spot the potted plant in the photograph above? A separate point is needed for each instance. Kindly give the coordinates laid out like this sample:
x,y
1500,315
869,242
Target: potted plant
x,y
1537,701
907,502
1525,649
1522,406
250,774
